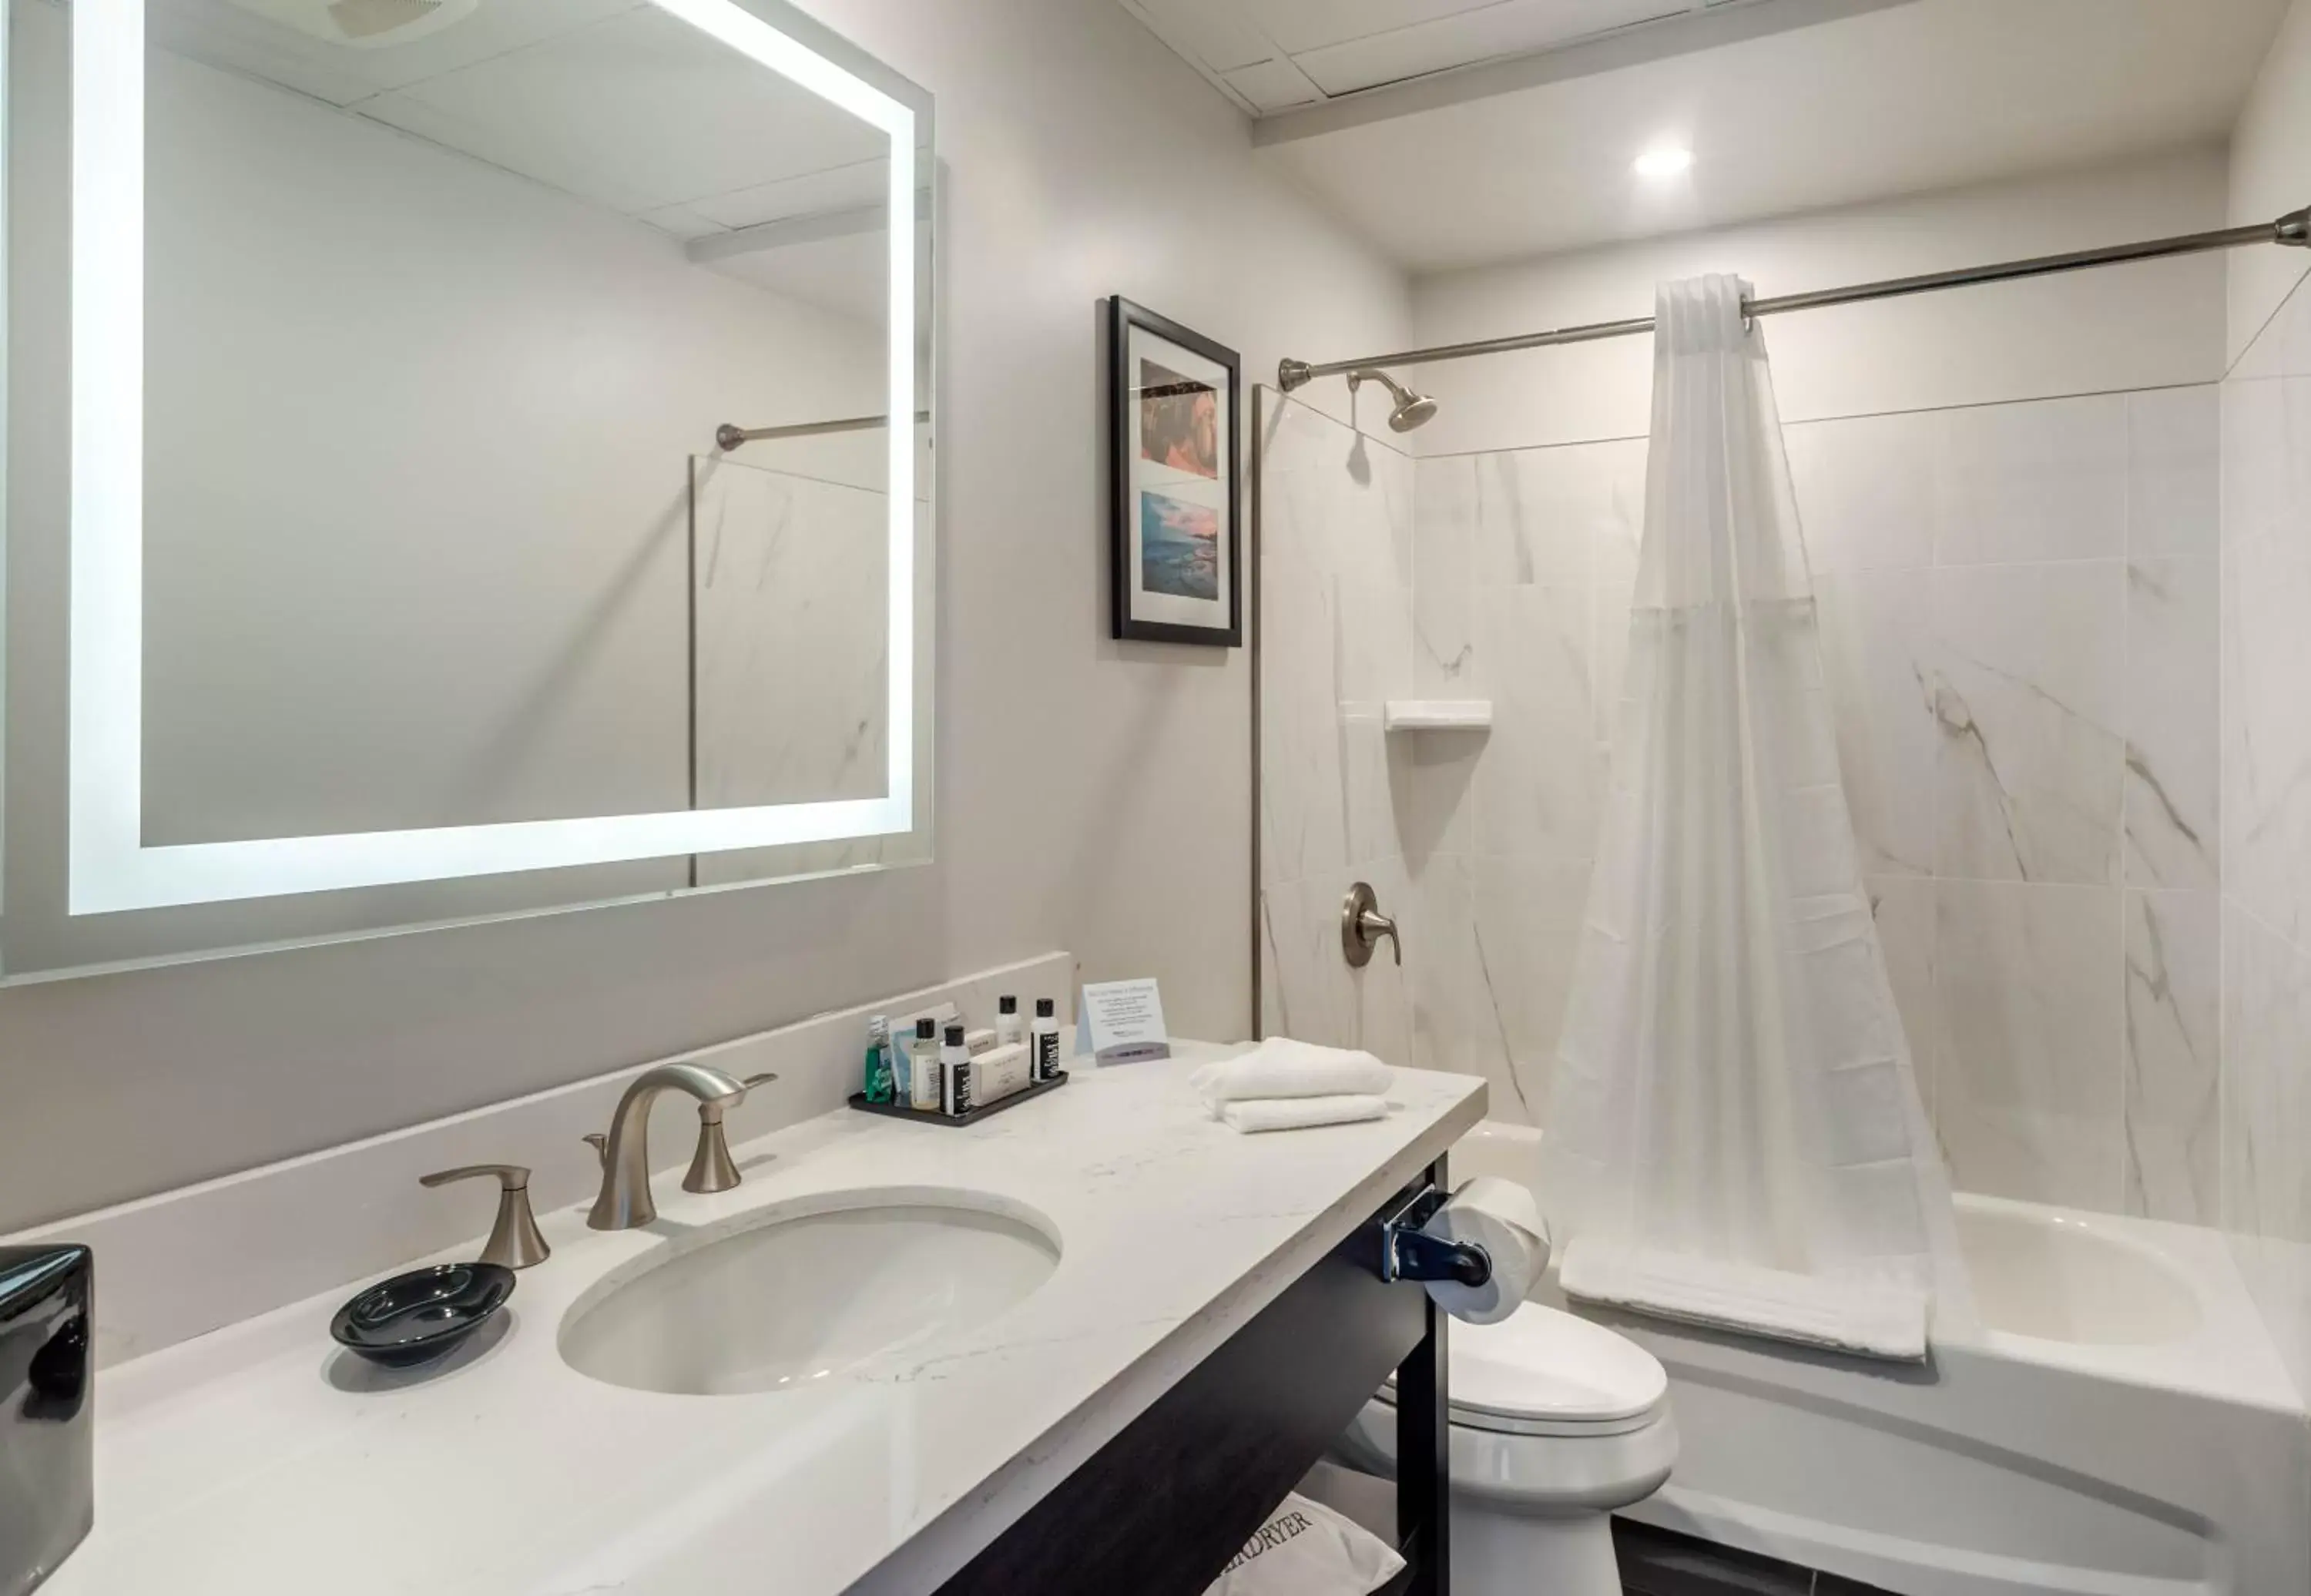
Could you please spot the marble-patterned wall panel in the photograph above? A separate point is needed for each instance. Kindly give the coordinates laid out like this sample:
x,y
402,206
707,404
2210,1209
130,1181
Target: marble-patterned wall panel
x,y
1620,527
2255,469
1302,796
1865,490
1528,916
2173,1125
2039,481
1336,629
790,593
1335,596
2174,452
1304,982
1611,604
1432,777
1491,945
2028,1026
1369,553
1545,516
2266,1126
1904,908
1449,1014
1444,525
2267,779
2030,673
1536,786
1878,653
2172,723
1307,989
2265,651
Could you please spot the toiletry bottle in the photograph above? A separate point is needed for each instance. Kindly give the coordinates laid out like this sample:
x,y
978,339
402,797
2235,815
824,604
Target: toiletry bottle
x,y
1043,1056
1008,1026
923,1066
954,1072
878,1085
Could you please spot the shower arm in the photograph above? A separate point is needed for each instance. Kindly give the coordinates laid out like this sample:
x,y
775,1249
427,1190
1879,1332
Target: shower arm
x,y
2293,230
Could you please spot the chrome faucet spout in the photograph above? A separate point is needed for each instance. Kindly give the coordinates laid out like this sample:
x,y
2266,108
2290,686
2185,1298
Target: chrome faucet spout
x,y
625,1202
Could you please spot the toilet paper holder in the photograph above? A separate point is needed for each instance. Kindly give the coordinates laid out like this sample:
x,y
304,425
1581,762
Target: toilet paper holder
x,y
1408,1252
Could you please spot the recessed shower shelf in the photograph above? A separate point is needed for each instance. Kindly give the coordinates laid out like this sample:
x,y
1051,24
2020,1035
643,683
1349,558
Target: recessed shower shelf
x,y
1436,714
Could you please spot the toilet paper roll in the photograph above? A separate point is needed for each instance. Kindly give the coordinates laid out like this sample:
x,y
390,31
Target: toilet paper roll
x,y
1500,1217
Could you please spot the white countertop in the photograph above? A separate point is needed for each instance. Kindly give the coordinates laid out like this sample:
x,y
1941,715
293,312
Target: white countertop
x,y
262,1458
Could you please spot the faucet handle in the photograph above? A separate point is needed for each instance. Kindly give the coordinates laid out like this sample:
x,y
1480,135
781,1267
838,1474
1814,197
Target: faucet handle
x,y
601,1145
712,1167
515,1240
1363,925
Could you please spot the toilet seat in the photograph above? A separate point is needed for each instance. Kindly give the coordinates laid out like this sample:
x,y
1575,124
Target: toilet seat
x,y
1544,1372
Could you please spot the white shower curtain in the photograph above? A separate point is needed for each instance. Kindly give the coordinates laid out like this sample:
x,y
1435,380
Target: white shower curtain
x,y
1733,1086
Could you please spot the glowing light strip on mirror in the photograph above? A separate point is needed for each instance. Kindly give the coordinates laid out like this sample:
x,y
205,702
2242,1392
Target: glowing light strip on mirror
x,y
110,869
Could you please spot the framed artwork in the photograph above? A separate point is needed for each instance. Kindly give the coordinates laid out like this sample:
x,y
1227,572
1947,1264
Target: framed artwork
x,y
1174,448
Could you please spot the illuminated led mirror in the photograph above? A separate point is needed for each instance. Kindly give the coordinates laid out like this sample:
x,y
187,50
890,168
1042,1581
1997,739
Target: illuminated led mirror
x,y
496,472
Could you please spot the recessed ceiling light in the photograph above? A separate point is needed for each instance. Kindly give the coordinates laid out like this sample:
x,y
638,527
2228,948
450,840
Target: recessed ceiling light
x,y
1664,162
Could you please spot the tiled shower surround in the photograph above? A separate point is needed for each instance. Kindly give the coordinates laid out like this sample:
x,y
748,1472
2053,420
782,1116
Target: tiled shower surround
x,y
2018,607
2266,760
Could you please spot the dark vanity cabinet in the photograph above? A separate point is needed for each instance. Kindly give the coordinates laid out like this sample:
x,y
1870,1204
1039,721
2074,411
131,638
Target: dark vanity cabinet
x,y
1161,1509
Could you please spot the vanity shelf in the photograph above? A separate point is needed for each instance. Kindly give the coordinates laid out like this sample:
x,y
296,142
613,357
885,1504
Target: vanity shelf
x,y
1436,714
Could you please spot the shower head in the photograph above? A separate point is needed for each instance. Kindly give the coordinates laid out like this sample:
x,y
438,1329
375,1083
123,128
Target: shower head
x,y
1411,409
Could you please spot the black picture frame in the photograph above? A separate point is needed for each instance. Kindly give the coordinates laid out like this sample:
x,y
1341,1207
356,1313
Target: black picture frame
x,y
1128,594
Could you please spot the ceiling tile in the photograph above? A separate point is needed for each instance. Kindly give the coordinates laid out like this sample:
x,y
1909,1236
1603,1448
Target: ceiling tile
x,y
1511,27
227,35
1274,86
636,113
838,188
1298,25
1218,33
682,222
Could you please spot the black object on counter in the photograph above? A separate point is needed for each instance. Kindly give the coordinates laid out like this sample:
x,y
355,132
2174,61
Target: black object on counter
x,y
899,1111
418,1316
47,1491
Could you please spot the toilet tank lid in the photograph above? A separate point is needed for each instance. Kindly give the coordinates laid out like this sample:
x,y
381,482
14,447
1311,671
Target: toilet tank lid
x,y
1541,1362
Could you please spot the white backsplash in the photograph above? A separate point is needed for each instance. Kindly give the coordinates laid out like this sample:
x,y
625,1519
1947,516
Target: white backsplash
x,y
2018,622
2266,824
180,1263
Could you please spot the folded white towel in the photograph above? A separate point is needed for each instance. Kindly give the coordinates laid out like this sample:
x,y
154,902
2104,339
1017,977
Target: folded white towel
x,y
1283,1067
1869,1318
1293,1114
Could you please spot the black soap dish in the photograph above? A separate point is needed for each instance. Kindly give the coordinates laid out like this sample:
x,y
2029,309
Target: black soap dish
x,y
416,1317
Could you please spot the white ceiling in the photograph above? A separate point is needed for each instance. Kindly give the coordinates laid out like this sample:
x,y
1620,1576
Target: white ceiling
x,y
1272,55
1507,129
616,102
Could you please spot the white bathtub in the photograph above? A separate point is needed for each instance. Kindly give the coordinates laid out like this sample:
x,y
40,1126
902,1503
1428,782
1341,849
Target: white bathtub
x,y
2119,1426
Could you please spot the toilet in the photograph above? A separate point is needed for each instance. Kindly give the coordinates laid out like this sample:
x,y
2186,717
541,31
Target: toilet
x,y
1556,1423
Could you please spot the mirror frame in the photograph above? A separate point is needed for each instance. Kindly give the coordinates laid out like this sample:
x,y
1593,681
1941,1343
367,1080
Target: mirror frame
x,y
110,870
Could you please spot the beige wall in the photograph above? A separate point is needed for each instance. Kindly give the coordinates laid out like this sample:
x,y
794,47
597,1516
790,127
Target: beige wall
x,y
2270,173
1091,796
2012,341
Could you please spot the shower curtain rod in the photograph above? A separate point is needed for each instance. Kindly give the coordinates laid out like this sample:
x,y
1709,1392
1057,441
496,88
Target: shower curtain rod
x,y
2293,229
729,436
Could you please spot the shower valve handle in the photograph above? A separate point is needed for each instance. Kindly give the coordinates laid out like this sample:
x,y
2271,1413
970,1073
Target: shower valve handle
x,y
1363,925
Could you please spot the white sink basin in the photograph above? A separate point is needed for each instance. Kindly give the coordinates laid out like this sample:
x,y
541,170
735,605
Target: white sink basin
x,y
809,1291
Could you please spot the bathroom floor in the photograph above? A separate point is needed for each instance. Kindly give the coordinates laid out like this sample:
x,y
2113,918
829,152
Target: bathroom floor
x,y
1663,1563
